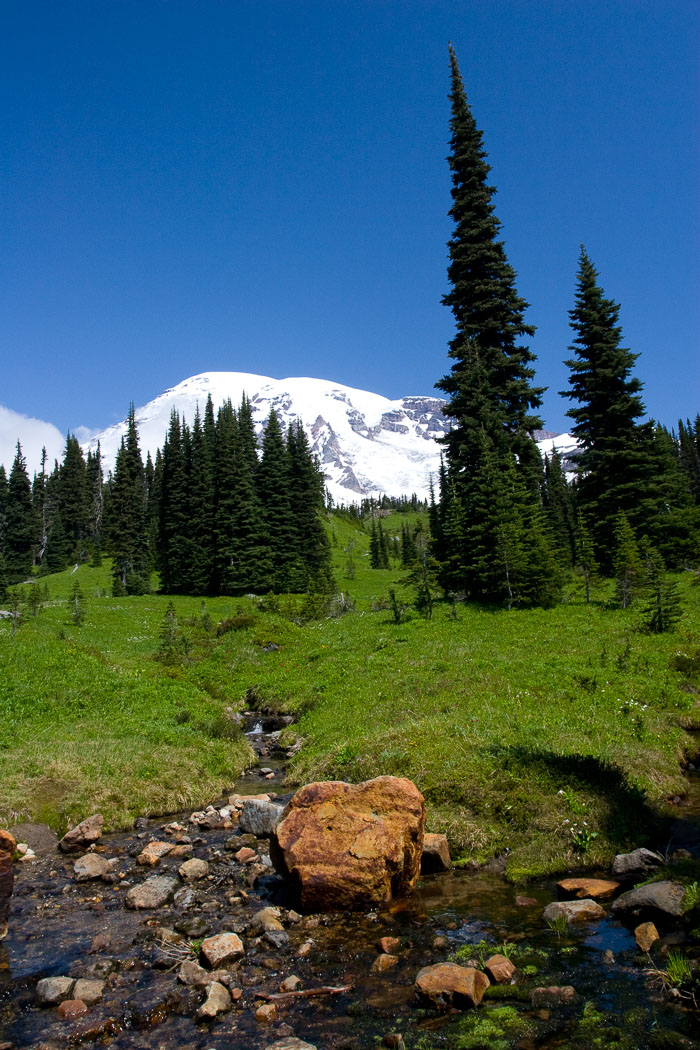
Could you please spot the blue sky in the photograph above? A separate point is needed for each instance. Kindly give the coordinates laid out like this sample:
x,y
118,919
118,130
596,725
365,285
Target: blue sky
x,y
262,186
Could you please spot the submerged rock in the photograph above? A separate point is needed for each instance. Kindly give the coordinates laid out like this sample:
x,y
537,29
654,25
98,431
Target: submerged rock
x,y
349,846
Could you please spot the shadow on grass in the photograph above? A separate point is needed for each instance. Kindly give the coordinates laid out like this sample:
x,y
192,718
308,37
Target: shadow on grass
x,y
625,813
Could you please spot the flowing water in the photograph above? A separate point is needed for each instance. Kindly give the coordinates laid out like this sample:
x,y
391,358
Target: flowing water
x,y
54,923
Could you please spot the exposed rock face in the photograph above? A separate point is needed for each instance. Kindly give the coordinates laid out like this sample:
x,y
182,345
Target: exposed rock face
x,y
82,835
7,878
447,984
349,846
573,911
664,898
436,854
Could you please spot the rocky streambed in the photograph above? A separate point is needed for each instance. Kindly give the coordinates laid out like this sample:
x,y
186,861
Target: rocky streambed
x,y
180,934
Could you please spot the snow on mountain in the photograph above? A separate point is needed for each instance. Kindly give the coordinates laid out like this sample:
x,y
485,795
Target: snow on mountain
x,y
366,444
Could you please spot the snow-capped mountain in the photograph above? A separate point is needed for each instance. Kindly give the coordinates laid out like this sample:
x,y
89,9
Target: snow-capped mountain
x,y
366,444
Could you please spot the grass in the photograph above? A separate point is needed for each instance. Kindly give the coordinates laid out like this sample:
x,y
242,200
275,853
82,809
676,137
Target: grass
x,y
515,725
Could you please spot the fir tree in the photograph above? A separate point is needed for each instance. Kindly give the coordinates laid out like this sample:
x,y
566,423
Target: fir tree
x,y
613,462
627,563
559,508
312,559
275,498
663,607
128,519
21,524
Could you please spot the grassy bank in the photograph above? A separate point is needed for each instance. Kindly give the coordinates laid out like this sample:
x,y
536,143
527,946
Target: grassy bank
x,y
554,736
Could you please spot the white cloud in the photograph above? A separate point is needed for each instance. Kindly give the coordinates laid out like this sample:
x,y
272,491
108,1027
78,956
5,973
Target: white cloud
x,y
33,435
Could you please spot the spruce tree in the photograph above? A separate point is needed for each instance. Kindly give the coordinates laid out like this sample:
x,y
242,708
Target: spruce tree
x,y
276,502
492,401
613,462
627,564
21,523
312,550
128,518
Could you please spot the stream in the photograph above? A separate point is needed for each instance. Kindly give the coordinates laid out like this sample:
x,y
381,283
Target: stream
x,y
61,927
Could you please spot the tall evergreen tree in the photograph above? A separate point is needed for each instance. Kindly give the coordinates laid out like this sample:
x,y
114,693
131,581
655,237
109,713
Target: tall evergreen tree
x,y
312,557
21,524
275,498
613,463
128,518
492,400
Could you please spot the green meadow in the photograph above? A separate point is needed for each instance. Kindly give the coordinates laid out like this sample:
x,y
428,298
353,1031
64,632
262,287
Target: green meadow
x,y
553,737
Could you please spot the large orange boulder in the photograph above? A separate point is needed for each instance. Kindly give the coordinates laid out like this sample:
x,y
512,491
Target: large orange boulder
x,y
350,845
7,877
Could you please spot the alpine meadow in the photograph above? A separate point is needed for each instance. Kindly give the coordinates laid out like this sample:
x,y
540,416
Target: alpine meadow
x,y
524,644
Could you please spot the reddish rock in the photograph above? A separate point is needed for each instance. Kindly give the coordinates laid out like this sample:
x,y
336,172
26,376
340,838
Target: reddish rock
x,y
151,854
222,949
246,855
389,945
7,877
525,902
69,1009
350,846
384,962
596,889
499,968
82,835
447,984
436,854
646,935
553,996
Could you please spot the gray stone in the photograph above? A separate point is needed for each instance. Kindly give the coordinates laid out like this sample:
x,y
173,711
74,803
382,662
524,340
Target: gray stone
x,y
90,992
259,818
153,893
638,862
40,837
266,919
662,897
436,854
573,911
53,990
82,835
91,866
218,1001
277,938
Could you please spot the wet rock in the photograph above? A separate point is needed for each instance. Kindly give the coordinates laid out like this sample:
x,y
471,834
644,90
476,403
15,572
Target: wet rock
x,y
447,984
500,969
222,948
573,911
191,974
384,962
7,877
266,919
346,846
246,855
218,1001
436,854
553,996
185,898
608,957
664,898
69,1009
151,855
150,1005
266,1013
153,893
193,870
595,889
259,818
525,902
646,935
53,990
193,926
305,949
90,992
290,1043
91,866
390,945
291,984
82,835
277,938
638,862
